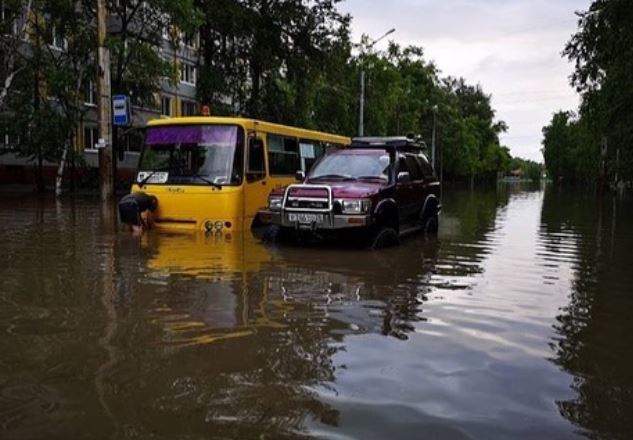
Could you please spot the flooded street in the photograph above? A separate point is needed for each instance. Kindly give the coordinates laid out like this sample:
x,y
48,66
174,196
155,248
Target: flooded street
x,y
514,323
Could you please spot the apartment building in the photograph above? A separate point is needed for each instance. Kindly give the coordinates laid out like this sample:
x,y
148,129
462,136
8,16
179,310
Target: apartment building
x,y
177,98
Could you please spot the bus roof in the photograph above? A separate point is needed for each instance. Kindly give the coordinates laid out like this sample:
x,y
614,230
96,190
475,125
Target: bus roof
x,y
253,124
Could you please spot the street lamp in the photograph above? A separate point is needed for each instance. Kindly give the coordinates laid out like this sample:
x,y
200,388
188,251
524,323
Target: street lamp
x,y
361,107
435,110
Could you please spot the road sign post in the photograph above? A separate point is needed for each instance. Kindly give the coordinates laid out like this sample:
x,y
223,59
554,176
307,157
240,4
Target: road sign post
x,y
121,110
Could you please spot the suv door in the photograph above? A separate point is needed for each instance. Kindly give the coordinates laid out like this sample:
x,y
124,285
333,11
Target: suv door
x,y
418,192
404,192
431,184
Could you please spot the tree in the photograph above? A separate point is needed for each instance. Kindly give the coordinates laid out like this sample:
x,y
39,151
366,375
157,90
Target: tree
x,y
559,145
602,50
135,40
269,59
46,98
13,32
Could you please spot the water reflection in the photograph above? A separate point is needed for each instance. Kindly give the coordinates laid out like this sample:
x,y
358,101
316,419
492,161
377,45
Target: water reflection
x,y
593,329
512,325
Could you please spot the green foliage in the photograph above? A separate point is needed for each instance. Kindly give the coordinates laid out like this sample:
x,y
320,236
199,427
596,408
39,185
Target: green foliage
x,y
135,38
602,50
46,98
293,62
527,168
289,61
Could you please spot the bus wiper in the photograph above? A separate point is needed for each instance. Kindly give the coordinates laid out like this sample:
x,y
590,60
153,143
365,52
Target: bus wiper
x,y
205,180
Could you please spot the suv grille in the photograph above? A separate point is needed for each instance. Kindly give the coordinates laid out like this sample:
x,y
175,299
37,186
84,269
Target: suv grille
x,y
315,198
307,204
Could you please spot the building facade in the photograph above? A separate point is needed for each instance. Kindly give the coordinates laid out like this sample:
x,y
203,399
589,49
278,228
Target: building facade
x,y
175,98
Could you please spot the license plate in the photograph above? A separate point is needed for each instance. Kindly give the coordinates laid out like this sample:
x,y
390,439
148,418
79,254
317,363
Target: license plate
x,y
306,218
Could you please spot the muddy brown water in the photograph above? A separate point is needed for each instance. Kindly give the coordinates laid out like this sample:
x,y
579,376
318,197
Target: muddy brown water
x,y
514,323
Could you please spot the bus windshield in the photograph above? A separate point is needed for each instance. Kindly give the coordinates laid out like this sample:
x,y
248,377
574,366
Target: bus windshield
x,y
192,154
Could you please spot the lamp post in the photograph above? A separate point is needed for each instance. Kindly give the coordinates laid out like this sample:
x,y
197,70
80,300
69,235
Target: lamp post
x,y
361,107
435,110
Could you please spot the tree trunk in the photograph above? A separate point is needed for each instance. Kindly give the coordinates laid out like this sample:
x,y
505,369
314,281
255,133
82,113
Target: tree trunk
x,y
39,173
60,172
10,57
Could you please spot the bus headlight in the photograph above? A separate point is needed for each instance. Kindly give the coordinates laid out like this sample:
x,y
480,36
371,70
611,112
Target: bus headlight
x,y
355,206
275,202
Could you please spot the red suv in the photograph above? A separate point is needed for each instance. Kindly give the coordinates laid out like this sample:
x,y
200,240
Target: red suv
x,y
377,190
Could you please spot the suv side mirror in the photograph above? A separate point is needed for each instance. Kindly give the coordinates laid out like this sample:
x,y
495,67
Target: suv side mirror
x,y
404,177
300,176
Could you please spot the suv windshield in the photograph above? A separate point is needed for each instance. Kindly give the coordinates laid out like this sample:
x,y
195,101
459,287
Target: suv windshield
x,y
192,154
352,166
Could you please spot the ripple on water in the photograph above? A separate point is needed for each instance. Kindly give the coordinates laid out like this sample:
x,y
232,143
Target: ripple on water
x,y
504,327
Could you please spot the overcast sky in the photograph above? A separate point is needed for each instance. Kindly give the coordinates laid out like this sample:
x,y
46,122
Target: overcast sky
x,y
511,47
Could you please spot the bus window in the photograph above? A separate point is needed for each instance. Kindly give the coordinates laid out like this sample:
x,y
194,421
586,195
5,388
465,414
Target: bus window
x,y
255,167
283,155
308,155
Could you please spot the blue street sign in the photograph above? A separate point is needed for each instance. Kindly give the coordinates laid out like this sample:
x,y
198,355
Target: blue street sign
x,y
120,110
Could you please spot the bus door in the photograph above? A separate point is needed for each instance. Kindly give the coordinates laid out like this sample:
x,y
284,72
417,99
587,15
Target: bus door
x,y
256,184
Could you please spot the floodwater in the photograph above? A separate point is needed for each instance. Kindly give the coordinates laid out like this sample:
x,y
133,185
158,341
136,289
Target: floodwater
x,y
514,323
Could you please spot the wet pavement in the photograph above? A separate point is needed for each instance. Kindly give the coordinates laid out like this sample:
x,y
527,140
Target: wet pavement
x,y
514,323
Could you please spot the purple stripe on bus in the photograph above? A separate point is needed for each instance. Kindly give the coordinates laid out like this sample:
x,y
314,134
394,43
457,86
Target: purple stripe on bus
x,y
192,134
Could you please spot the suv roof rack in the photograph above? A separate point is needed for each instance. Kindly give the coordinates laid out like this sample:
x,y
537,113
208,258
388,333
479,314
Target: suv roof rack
x,y
395,142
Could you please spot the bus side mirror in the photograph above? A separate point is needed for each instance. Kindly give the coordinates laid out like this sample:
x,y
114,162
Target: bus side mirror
x,y
300,176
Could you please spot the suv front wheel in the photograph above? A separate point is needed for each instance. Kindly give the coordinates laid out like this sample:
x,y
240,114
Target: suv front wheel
x,y
383,237
431,224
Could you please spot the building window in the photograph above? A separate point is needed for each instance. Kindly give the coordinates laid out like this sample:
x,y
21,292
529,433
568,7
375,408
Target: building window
x,y
131,141
187,73
8,140
188,108
7,21
91,136
90,92
189,39
165,106
56,38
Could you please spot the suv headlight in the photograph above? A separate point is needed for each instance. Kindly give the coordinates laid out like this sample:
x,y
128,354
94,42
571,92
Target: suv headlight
x,y
274,203
357,206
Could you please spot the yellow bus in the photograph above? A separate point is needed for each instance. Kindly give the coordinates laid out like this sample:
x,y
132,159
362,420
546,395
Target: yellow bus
x,y
215,173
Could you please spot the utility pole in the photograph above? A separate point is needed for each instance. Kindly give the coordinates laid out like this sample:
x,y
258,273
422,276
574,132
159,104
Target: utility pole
x,y
433,140
361,107
104,103
617,167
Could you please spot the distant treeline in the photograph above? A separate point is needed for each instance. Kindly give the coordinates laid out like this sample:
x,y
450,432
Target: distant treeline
x,y
595,143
